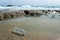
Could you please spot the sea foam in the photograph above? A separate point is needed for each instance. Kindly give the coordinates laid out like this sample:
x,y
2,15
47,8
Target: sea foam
x,y
26,7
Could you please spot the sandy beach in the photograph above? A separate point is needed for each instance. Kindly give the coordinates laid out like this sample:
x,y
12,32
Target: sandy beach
x,y
38,26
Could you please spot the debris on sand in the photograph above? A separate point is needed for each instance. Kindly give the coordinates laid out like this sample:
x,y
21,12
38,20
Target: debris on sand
x,y
19,31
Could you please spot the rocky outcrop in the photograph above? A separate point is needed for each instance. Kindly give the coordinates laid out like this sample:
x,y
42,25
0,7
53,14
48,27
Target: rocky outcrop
x,y
33,12
1,16
11,14
20,13
57,11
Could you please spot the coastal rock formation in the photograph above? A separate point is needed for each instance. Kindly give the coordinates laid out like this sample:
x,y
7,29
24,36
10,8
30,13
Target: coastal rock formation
x,y
57,11
26,13
20,13
33,12
1,16
11,14
8,15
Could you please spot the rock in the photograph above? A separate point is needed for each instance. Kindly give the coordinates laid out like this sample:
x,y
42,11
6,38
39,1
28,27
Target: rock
x,y
33,12
19,31
57,11
20,13
26,12
6,15
12,14
1,17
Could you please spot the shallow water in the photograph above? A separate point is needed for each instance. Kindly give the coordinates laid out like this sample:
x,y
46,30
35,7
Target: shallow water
x,y
43,25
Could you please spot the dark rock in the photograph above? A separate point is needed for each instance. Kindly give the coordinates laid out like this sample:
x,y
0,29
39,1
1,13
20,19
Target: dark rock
x,y
57,11
33,12
26,12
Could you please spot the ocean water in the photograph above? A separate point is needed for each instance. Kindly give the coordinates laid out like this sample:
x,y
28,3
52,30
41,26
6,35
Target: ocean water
x,y
29,7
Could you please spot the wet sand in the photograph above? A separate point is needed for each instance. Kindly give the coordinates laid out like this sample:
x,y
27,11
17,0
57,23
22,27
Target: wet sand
x,y
37,28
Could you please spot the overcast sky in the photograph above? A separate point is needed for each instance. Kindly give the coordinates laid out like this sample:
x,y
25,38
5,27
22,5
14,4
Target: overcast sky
x,y
30,2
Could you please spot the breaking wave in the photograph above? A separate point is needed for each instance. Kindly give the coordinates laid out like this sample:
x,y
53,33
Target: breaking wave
x,y
29,7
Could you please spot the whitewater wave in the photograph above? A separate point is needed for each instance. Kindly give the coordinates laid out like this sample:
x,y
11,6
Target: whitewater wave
x,y
27,7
